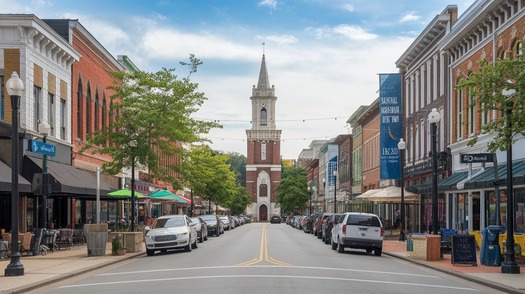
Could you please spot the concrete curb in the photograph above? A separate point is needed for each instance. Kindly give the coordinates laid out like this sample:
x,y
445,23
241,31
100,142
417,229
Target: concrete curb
x,y
490,284
63,277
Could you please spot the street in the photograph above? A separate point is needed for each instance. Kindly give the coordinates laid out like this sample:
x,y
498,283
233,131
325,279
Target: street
x,y
265,258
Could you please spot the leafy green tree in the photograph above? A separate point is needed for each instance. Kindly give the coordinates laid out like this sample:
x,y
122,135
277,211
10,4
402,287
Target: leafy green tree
x,y
292,192
489,89
151,114
238,166
208,175
239,201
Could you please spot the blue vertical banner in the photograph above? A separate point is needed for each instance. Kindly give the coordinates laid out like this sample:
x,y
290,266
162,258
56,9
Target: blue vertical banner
x,y
391,110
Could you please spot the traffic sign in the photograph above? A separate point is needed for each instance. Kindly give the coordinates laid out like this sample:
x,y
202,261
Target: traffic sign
x,y
477,157
41,147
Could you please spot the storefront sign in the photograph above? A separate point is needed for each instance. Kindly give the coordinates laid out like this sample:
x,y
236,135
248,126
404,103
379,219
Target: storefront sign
x,y
477,158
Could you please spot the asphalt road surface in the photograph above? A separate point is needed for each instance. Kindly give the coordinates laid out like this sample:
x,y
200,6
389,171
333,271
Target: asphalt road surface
x,y
265,258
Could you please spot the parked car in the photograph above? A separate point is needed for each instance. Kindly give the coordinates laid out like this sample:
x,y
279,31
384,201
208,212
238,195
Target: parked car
x,y
213,224
318,225
170,232
327,227
226,221
358,230
275,219
202,230
308,224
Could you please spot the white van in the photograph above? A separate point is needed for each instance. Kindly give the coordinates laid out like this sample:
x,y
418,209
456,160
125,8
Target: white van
x,y
360,231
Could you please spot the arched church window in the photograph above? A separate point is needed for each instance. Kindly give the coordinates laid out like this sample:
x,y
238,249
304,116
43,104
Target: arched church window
x,y
264,115
263,190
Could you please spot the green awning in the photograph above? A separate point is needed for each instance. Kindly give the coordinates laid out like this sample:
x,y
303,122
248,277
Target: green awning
x,y
486,178
450,183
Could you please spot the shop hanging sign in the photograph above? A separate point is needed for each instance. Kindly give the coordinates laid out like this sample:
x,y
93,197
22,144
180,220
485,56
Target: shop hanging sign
x,y
477,157
41,147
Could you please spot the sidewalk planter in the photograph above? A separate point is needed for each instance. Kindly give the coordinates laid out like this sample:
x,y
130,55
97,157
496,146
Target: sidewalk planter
x,y
96,237
133,241
425,247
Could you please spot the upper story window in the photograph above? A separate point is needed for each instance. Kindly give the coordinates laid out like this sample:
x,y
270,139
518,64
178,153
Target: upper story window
x,y
88,109
63,116
51,112
97,110
79,109
37,94
263,151
263,190
264,117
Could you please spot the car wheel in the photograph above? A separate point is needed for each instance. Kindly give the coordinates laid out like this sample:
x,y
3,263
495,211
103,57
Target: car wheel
x,y
188,247
195,244
327,239
217,232
201,239
150,252
206,237
334,245
340,247
378,251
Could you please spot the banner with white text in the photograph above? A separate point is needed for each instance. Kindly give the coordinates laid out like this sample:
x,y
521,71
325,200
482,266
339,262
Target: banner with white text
x,y
390,109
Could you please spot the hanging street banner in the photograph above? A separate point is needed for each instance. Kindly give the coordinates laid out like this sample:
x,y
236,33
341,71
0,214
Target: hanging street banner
x,y
390,109
41,147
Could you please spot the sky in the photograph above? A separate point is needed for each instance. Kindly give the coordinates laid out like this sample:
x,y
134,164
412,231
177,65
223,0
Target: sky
x,y
322,56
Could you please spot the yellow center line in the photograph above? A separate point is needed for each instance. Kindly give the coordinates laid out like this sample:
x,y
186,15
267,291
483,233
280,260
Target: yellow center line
x,y
263,253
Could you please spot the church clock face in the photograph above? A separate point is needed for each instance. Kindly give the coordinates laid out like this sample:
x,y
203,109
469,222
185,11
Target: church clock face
x,y
263,168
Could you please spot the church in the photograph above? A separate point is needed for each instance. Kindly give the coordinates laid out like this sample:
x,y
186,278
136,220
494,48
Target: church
x,y
263,164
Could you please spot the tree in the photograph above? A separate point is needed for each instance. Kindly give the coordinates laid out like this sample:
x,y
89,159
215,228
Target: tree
x,y
238,166
292,192
239,201
151,115
208,175
485,88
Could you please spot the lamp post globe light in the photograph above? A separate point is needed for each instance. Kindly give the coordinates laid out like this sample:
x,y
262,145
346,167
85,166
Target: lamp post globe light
x,y
401,146
44,129
15,89
335,191
509,266
433,118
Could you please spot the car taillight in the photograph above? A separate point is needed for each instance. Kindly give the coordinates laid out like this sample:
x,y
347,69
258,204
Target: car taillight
x,y
382,231
344,229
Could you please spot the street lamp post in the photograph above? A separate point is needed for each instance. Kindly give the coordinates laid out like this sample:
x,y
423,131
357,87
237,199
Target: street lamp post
x,y
44,129
324,195
335,191
509,266
310,194
434,118
401,146
133,144
15,89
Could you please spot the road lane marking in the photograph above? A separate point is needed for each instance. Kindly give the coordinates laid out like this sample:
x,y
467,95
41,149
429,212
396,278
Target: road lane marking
x,y
273,266
263,253
270,277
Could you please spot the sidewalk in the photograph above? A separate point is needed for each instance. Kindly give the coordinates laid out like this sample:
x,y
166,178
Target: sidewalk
x,y
489,276
63,264
55,266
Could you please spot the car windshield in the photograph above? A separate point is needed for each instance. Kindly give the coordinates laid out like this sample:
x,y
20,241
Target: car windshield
x,y
169,222
209,218
363,220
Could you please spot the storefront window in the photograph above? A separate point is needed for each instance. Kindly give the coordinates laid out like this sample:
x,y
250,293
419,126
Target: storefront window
x,y
519,197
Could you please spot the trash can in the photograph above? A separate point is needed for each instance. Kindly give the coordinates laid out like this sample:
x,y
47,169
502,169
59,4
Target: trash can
x,y
96,237
490,252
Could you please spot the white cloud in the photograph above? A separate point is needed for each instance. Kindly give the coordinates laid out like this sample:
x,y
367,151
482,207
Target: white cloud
x,y
269,3
409,17
279,39
348,7
350,32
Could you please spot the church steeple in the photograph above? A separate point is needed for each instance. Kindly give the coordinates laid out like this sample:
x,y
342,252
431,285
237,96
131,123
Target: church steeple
x,y
264,82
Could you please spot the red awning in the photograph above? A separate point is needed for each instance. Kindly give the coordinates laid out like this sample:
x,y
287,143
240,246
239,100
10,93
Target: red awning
x,y
185,199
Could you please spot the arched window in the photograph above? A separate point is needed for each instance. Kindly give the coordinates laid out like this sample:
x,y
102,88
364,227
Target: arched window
x,y
104,111
97,110
264,115
263,190
517,48
263,151
88,109
79,108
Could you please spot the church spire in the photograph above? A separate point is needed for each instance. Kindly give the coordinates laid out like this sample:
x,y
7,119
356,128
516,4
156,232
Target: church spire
x,y
264,82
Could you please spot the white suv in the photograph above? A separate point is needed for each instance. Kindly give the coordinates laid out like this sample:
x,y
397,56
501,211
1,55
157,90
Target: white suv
x,y
358,230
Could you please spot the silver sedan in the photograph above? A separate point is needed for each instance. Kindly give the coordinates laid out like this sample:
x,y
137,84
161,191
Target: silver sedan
x,y
171,232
